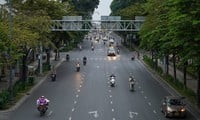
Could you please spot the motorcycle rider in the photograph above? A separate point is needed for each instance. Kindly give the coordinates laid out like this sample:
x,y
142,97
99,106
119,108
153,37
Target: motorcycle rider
x,y
131,82
84,60
118,50
112,80
67,57
42,101
77,66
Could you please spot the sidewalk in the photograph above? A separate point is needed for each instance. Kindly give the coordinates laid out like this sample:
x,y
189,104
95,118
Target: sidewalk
x,y
4,115
191,82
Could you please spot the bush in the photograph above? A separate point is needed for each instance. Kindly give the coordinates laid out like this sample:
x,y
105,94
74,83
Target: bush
x,y
4,99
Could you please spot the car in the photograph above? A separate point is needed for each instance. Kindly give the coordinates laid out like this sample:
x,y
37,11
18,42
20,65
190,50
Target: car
x,y
111,52
173,106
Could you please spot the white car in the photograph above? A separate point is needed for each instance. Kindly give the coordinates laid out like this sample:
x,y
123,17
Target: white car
x,y
111,52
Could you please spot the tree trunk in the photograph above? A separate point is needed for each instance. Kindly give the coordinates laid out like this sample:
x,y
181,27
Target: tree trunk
x,y
48,57
167,64
174,66
24,68
185,75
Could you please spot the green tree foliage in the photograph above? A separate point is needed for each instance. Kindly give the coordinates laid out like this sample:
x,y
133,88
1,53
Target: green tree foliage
x,y
85,8
126,7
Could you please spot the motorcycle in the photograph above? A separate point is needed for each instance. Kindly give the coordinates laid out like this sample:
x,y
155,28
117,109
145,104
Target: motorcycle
x,y
117,51
67,57
112,81
77,67
53,77
84,60
133,57
132,85
42,108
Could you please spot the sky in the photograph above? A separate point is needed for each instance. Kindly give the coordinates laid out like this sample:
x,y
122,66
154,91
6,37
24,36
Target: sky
x,y
2,1
102,10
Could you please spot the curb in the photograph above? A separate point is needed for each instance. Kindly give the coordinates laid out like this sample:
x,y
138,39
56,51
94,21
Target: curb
x,y
4,113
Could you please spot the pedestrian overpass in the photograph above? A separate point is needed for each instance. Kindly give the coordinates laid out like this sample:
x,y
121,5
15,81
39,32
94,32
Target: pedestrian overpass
x,y
76,23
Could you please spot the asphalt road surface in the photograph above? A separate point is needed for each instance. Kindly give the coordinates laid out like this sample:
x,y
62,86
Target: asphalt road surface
x,y
87,95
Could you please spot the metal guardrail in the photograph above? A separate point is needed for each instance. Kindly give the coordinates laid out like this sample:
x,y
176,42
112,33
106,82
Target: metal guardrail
x,y
87,25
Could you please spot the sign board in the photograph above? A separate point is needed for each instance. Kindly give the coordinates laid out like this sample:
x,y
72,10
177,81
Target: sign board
x,y
72,18
72,22
111,18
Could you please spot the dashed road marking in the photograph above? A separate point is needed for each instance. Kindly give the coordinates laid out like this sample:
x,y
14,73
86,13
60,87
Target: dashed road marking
x,y
111,102
73,109
149,104
110,96
113,110
77,96
50,113
154,111
70,118
75,102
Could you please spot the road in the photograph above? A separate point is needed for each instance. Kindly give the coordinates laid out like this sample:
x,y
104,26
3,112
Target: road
x,y
86,95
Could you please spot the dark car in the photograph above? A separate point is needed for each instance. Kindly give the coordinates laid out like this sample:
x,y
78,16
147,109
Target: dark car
x,y
173,106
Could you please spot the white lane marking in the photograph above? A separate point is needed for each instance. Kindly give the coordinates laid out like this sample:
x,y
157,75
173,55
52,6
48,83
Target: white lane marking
x,y
50,113
78,90
149,104
76,95
98,66
111,102
110,96
114,119
75,102
94,113
73,109
80,86
145,97
154,111
70,118
113,110
132,114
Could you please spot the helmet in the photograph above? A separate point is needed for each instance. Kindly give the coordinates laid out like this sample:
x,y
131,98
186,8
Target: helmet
x,y
42,97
